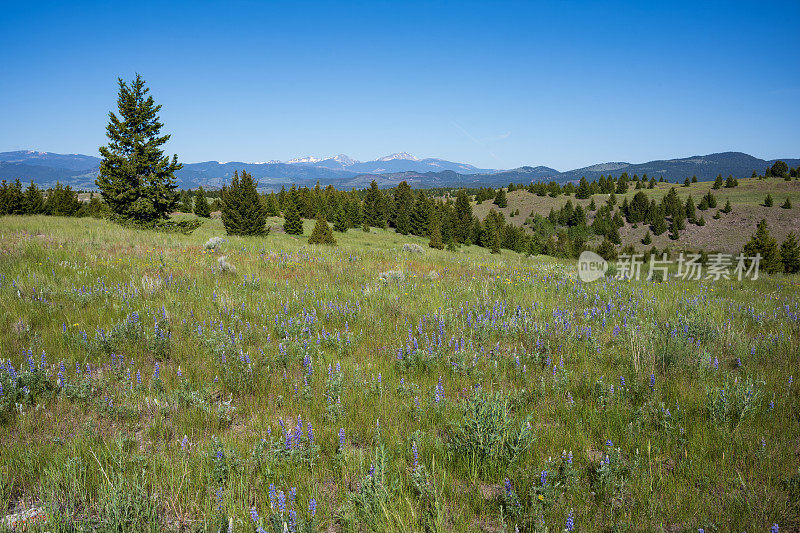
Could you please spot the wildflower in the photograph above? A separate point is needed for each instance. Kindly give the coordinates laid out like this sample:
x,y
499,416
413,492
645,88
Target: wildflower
x,y
272,496
544,477
138,377
414,451
774,528
254,514
281,502
156,371
184,442
292,520
312,507
310,434
220,497
570,521
652,381
180,374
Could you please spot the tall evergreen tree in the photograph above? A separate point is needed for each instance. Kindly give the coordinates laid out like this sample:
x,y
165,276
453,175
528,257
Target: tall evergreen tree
x,y
374,214
33,200
11,198
500,199
271,207
421,216
340,222
766,246
403,204
136,180
790,254
242,212
293,223
61,201
201,206
463,217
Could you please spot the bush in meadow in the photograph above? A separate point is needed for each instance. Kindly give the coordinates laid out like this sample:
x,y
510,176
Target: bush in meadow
x,y
322,233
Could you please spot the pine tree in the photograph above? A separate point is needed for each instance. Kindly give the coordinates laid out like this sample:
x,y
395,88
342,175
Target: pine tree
x,y
768,200
763,244
420,216
403,204
718,182
790,254
340,221
674,229
727,209
11,198
242,212
322,233
33,200
463,217
436,235
607,250
500,199
787,204
592,205
136,180
271,206
495,239
647,239
374,214
691,214
201,206
61,201
293,224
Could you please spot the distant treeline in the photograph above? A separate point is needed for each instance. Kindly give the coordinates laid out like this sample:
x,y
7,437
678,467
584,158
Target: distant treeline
x,y
57,201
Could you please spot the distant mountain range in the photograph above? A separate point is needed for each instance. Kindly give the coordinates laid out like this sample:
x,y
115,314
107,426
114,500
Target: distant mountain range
x,y
79,171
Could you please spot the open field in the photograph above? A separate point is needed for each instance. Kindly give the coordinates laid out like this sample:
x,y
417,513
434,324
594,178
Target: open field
x,y
727,234
144,389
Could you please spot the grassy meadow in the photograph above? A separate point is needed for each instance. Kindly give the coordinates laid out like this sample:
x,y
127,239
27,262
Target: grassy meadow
x,y
145,388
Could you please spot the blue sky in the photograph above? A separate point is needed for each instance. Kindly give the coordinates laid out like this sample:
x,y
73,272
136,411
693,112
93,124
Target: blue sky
x,y
498,85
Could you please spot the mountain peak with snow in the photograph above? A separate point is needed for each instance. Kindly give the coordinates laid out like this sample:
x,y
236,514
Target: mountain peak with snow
x,y
306,159
400,155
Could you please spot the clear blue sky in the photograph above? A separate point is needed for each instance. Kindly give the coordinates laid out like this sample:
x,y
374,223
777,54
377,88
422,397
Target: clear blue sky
x,y
497,84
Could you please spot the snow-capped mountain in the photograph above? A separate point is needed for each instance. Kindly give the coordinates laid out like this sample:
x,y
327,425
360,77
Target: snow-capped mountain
x,y
306,159
405,156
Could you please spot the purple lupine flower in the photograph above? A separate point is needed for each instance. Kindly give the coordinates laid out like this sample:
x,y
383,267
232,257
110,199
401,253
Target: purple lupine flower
x,y
184,442
156,371
272,496
310,434
138,377
281,502
652,381
414,451
220,497
292,521
774,528
570,521
508,487
292,495
254,514
544,477
312,507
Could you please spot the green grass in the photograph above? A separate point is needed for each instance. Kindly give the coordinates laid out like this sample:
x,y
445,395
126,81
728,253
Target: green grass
x,y
105,453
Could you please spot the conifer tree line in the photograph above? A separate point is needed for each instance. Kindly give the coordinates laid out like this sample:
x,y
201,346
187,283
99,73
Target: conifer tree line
x,y
58,200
